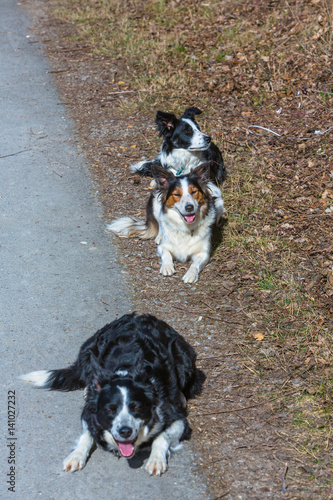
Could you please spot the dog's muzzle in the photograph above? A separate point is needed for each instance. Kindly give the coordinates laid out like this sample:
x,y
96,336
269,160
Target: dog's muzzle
x,y
206,141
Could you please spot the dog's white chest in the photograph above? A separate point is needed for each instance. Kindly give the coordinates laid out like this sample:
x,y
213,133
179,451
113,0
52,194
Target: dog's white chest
x,y
180,241
182,245
181,161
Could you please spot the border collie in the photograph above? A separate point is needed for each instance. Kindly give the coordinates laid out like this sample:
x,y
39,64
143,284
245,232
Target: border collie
x,y
180,215
184,147
138,372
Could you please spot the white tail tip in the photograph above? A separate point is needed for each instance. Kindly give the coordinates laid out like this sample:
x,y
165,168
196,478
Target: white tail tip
x,y
137,166
122,226
38,379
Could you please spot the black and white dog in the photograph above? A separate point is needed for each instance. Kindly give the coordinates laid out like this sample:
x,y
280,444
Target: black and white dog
x,y
180,214
138,373
184,147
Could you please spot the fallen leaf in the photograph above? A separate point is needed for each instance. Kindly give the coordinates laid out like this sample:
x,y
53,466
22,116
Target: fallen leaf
x,y
248,277
231,265
311,390
258,336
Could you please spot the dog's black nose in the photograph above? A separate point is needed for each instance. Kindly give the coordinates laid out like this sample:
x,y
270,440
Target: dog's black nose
x,y
125,431
189,208
208,139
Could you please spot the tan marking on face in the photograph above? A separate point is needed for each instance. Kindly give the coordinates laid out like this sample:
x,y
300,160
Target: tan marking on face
x,y
175,196
196,194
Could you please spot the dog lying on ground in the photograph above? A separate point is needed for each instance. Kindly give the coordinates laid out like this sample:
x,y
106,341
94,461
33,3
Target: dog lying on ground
x,y
180,215
184,147
138,373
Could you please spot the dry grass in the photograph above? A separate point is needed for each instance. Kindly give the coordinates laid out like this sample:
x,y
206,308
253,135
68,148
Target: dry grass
x,y
171,46
245,63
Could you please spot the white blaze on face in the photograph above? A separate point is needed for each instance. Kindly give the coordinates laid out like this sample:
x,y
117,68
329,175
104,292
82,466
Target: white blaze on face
x,y
199,140
187,205
125,419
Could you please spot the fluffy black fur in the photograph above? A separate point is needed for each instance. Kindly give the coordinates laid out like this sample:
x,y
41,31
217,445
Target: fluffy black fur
x,y
144,346
149,360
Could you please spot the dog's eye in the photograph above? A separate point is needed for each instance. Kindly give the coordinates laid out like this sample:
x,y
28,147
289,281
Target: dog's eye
x,y
176,195
112,409
194,191
188,131
135,408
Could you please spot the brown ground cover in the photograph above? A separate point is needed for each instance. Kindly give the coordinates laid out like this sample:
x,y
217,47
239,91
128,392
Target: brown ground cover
x,y
260,316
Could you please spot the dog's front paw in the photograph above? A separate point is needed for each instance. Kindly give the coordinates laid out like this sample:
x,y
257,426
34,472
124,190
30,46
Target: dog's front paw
x,y
157,464
167,269
191,276
75,461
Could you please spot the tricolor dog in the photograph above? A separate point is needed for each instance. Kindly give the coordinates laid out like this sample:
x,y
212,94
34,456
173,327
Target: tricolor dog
x,y
180,214
185,147
137,372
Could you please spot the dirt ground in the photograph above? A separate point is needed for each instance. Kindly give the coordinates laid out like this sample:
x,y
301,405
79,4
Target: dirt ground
x,y
251,433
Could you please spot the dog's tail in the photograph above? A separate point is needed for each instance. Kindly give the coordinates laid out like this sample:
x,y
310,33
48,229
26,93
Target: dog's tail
x,y
66,379
143,168
129,227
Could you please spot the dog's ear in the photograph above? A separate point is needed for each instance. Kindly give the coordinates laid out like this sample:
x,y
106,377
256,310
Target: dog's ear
x,y
166,123
162,176
98,373
202,172
191,112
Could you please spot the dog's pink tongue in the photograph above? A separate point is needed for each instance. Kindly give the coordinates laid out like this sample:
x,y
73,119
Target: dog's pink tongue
x,y
189,218
126,449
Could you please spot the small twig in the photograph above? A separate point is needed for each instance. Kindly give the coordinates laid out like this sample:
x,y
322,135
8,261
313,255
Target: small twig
x,y
252,144
275,304
316,134
262,128
325,251
208,317
56,173
167,293
70,49
247,425
251,406
207,305
232,411
221,356
284,475
222,496
58,70
242,145
286,381
315,174
328,439
14,154
121,92
232,290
